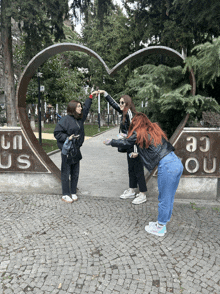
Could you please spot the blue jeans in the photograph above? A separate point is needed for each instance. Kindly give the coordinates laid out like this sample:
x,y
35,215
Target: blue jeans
x,y
170,169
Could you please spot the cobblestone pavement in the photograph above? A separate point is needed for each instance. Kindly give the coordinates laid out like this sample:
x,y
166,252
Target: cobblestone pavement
x,y
99,245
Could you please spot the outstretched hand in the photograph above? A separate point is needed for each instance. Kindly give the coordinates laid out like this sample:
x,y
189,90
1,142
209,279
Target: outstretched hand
x,y
98,92
107,141
95,92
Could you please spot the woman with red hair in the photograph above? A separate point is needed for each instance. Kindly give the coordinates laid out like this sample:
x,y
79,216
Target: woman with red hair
x,y
155,150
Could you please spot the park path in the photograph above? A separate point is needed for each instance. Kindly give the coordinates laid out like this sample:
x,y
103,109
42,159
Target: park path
x,y
103,170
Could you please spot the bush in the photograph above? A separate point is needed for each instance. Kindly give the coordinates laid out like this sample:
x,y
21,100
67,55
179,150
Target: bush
x,y
3,120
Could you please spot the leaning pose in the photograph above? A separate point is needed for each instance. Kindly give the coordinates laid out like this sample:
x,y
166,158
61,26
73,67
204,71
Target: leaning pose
x,y
71,128
155,150
135,167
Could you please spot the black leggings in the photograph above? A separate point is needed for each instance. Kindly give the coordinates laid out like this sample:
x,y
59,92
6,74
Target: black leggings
x,y
69,176
136,173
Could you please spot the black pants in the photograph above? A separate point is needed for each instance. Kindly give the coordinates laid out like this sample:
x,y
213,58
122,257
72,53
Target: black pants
x,y
136,173
69,176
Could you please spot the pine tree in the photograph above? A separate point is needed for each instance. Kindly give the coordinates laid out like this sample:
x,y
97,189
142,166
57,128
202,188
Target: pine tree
x,y
167,92
179,24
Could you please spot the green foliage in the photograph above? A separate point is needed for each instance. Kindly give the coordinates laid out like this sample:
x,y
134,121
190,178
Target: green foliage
x,y
180,24
177,24
61,83
180,100
112,43
62,78
40,21
206,62
168,95
195,207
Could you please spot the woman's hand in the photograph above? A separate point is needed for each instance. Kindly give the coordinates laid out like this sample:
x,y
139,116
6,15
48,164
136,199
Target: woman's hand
x,y
71,137
95,92
98,92
133,155
107,141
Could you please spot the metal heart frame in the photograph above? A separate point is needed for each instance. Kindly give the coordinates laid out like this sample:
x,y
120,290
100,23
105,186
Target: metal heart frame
x,y
45,54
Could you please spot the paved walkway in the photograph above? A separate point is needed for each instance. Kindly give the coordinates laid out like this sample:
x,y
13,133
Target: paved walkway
x,y
103,170
99,245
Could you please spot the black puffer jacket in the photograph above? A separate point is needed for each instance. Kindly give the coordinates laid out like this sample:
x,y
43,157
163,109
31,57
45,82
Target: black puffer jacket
x,y
150,156
123,126
68,125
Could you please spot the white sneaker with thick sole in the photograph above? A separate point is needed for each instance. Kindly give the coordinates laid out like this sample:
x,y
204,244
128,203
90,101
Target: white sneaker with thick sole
x,y
67,199
156,229
155,223
74,197
140,198
128,194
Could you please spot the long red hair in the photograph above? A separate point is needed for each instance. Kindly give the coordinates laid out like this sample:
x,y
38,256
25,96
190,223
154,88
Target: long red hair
x,y
147,132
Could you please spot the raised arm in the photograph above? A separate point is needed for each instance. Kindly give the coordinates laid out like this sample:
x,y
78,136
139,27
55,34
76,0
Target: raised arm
x,y
111,101
87,105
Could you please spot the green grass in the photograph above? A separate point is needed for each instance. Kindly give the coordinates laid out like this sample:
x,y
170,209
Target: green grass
x,y
91,130
51,145
48,128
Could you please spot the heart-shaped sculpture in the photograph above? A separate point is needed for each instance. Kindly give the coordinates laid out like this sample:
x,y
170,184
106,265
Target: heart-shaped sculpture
x,y
43,160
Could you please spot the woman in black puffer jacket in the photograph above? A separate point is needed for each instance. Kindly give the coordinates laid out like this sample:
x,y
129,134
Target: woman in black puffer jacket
x,y
70,126
135,166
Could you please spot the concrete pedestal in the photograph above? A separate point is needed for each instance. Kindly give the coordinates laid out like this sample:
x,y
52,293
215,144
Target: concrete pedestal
x,y
24,165
30,183
189,188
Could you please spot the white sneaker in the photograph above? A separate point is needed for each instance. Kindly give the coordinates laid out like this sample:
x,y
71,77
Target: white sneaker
x,y
129,193
156,229
74,197
67,199
154,224
140,198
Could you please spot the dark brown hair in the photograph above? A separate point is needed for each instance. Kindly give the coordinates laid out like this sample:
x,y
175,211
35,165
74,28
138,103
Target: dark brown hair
x,y
128,105
147,132
71,109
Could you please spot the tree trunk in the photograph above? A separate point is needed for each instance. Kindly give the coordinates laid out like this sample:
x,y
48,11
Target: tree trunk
x,y
8,70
